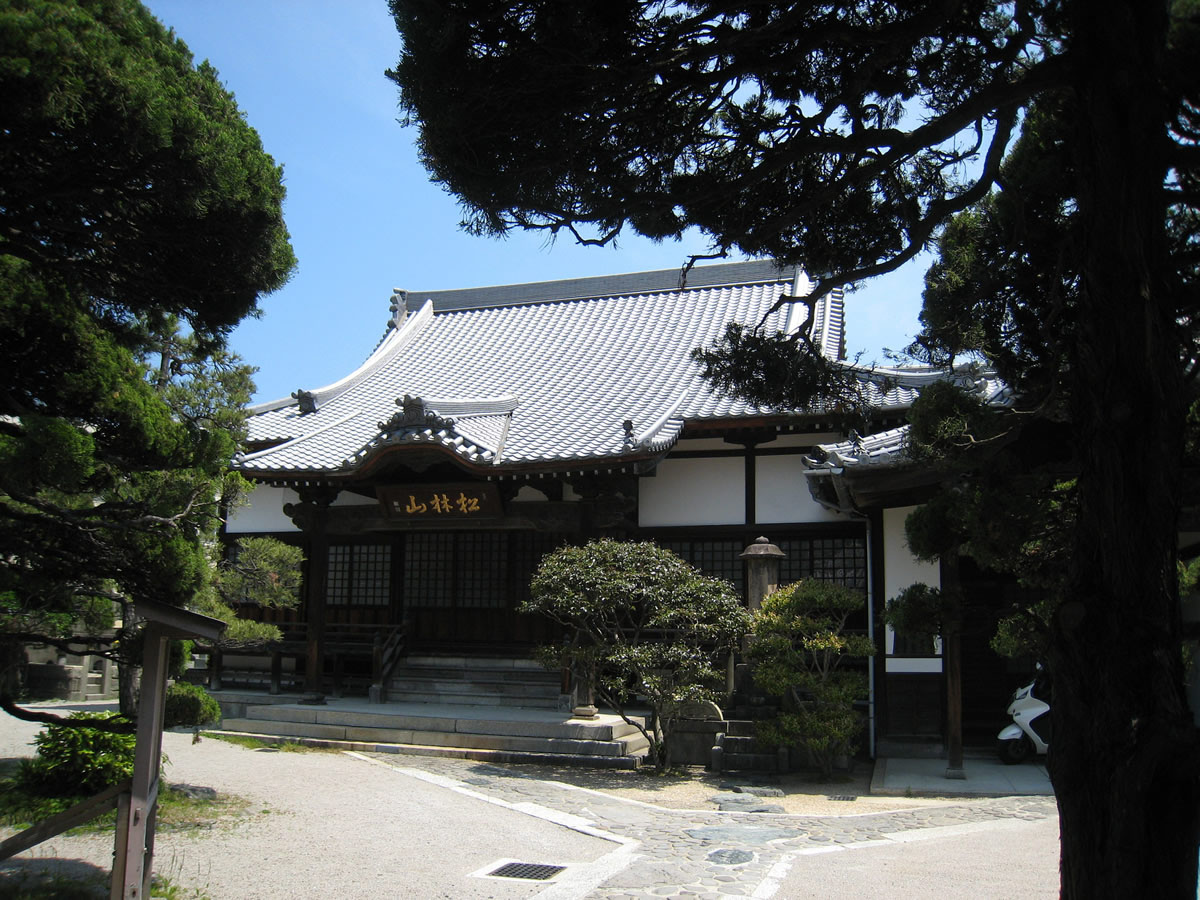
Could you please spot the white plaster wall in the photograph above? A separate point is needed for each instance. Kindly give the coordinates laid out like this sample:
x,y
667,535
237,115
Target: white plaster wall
x,y
900,569
806,440
781,493
694,492
264,512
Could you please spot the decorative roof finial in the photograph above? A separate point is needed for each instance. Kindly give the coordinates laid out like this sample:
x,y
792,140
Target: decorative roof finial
x,y
628,426
398,308
306,400
414,414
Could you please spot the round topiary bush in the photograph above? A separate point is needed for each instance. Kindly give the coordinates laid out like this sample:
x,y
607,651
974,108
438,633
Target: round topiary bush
x,y
77,762
189,704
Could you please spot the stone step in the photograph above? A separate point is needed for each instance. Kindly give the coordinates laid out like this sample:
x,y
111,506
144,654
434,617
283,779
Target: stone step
x,y
740,728
536,736
446,718
514,743
478,754
475,662
472,700
478,681
735,743
404,681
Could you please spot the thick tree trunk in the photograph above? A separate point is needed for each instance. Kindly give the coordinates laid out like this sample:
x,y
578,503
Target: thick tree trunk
x,y
1124,754
128,673
952,637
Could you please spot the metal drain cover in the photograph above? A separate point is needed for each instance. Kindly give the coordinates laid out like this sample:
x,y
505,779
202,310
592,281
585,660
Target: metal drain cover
x,y
849,798
528,871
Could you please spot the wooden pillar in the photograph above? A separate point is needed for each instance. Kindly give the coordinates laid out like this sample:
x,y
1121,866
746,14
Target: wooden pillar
x,y
311,515
216,660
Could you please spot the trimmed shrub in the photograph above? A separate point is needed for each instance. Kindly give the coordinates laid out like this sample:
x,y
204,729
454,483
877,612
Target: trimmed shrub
x,y
77,762
189,704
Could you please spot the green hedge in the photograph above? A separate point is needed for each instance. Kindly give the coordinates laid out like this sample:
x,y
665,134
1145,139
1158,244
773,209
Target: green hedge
x,y
189,704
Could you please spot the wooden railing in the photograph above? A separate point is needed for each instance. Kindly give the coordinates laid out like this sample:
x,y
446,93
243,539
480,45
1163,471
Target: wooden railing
x,y
387,656
79,814
342,643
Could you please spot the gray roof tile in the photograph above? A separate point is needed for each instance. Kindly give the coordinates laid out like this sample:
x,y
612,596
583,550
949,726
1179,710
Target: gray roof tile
x,y
533,382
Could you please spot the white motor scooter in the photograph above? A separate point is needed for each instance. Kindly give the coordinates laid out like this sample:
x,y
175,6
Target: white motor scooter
x,y
1029,733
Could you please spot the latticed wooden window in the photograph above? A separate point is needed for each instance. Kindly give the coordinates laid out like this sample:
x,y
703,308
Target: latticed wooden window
x,y
480,565
525,552
429,570
472,569
842,560
718,558
359,575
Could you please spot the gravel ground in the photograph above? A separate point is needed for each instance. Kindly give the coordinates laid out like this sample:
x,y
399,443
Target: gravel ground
x,y
323,818
802,795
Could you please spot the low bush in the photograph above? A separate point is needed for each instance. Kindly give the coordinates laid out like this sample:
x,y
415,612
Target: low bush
x,y
77,762
189,704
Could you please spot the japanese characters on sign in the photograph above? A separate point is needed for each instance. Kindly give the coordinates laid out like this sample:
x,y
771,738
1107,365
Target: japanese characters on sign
x,y
440,501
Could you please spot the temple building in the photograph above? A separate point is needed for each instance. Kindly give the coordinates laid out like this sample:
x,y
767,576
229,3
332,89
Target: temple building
x,y
492,425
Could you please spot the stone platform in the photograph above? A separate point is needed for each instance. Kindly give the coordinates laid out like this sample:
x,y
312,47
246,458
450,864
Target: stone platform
x,y
500,734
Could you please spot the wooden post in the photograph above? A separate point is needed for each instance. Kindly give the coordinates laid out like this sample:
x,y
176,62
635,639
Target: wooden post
x,y
132,870
215,661
137,811
312,516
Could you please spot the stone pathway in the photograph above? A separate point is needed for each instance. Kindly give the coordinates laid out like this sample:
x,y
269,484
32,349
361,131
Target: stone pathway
x,y
702,853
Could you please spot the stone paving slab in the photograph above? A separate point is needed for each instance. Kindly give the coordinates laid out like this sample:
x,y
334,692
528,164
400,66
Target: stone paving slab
x,y
710,853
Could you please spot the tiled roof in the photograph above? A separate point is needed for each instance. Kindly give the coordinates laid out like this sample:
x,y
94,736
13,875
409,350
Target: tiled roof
x,y
506,383
886,448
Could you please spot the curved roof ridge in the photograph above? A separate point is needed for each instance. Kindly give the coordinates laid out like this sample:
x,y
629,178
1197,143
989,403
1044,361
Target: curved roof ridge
x,y
395,341
299,439
631,284
646,437
471,406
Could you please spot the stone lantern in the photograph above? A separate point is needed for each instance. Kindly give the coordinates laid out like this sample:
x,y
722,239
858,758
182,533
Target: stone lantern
x,y
762,570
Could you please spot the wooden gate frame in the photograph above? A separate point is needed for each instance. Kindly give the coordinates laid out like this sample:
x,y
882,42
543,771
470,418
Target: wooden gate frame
x,y
137,809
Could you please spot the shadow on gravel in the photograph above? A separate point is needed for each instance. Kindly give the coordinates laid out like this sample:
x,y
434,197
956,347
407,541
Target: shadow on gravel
x,y
49,876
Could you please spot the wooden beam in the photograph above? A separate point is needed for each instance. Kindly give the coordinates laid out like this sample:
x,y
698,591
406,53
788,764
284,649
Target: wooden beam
x,y
81,813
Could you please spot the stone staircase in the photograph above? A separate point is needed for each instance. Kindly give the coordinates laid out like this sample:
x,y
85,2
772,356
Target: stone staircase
x,y
502,710
737,750
474,681
466,732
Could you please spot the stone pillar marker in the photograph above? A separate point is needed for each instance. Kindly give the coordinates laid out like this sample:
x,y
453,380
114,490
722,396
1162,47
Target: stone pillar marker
x,y
762,570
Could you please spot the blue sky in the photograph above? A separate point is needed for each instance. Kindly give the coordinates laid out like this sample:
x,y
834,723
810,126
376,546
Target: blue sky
x,y
363,216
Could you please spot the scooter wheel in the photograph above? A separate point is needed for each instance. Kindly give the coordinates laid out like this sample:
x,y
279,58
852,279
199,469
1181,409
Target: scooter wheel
x,y
1015,751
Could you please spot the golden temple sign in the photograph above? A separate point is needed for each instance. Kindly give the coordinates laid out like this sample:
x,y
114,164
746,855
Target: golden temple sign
x,y
440,501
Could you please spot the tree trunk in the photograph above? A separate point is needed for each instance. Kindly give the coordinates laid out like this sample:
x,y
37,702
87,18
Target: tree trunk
x,y
1124,754
952,658
128,672
13,659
